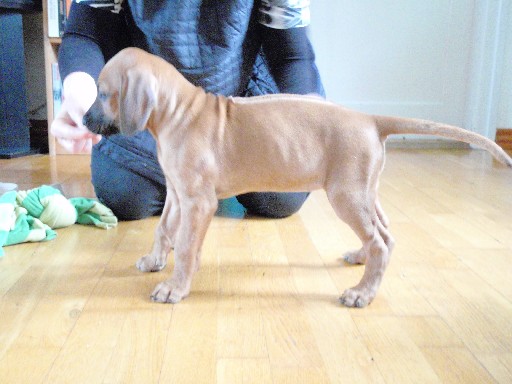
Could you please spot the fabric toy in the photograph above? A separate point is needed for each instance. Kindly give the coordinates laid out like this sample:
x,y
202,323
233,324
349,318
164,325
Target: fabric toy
x,y
34,214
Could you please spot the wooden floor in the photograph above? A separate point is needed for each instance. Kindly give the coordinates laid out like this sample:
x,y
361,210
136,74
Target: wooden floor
x,y
263,307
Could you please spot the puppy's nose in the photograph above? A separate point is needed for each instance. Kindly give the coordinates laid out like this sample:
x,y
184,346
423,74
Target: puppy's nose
x,y
86,120
90,122
96,122
93,118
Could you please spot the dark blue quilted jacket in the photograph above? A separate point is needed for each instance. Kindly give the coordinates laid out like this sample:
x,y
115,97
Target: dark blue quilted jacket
x,y
210,42
214,43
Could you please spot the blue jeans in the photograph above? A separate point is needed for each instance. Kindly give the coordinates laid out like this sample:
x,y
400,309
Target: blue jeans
x,y
128,179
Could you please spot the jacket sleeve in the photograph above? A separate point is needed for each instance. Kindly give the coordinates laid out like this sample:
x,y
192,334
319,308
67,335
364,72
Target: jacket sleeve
x,y
289,53
92,36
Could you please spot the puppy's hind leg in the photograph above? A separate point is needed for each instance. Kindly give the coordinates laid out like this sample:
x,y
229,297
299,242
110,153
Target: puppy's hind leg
x,y
359,256
357,209
165,234
381,214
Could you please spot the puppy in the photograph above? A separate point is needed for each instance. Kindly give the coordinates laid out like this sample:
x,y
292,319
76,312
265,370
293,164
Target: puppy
x,y
212,147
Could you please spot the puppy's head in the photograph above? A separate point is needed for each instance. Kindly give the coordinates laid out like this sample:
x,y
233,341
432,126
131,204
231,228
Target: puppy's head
x,y
127,96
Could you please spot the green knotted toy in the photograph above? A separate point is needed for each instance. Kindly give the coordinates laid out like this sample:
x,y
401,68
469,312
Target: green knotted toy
x,y
34,214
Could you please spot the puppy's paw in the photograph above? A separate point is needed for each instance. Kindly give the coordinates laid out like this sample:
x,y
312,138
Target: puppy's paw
x,y
149,264
355,257
355,297
169,292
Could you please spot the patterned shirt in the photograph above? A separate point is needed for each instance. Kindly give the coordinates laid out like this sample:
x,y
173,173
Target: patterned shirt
x,y
284,14
278,14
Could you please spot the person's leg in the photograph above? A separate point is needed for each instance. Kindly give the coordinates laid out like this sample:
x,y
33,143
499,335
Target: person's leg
x,y
273,204
126,176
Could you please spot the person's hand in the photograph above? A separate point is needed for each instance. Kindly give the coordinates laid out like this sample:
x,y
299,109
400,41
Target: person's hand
x,y
79,93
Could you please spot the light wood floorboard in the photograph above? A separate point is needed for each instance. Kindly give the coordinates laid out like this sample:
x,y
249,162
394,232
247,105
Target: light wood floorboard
x,y
263,307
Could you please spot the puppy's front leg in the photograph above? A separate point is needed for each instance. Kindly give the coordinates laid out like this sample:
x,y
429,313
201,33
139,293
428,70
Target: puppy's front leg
x,y
165,234
196,215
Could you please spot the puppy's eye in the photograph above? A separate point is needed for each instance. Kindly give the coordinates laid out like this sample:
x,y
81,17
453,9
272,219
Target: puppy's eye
x,y
102,96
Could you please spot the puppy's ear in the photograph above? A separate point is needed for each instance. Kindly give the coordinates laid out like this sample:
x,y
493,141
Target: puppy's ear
x,y
137,99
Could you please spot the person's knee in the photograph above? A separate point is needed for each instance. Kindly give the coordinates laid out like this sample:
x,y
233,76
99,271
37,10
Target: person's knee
x,y
125,204
129,195
272,204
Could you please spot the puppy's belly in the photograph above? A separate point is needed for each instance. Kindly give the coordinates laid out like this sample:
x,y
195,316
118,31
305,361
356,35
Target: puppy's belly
x,y
257,158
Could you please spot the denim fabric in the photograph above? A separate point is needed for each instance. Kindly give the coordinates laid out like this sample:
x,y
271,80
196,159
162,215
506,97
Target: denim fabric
x,y
127,177
272,204
212,43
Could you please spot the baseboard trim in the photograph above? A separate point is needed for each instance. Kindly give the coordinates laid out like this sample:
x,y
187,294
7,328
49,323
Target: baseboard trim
x,y
425,144
504,138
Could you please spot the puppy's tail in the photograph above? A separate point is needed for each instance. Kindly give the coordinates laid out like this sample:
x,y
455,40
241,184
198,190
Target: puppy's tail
x,y
397,125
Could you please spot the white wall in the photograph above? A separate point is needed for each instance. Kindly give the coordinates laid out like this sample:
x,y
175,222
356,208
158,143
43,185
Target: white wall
x,y
504,119
404,57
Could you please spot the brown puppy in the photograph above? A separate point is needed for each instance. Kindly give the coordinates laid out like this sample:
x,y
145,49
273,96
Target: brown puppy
x,y
211,147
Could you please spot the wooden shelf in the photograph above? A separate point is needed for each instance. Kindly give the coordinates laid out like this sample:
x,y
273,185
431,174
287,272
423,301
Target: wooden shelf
x,y
51,48
55,40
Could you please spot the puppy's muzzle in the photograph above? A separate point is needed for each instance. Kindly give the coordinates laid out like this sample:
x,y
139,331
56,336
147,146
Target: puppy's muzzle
x,y
96,121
